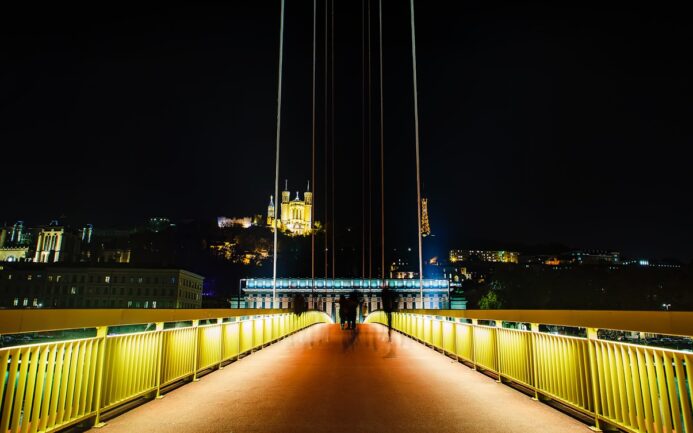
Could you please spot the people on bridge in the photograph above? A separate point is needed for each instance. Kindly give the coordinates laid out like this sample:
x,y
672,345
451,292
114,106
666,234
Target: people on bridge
x,y
343,311
352,309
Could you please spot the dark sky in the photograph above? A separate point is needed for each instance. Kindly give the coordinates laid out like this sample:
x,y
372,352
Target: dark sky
x,y
559,123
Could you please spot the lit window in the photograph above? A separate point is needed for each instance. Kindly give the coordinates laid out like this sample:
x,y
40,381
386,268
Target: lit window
x,y
107,279
73,290
57,278
28,277
16,302
153,304
146,304
139,280
129,304
25,302
35,302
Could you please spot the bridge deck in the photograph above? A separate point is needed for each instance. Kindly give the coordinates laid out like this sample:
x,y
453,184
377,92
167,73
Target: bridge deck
x,y
327,380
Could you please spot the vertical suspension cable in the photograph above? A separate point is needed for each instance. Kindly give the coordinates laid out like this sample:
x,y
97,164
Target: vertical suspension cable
x,y
326,243
312,167
418,169
382,147
334,245
276,165
363,139
370,153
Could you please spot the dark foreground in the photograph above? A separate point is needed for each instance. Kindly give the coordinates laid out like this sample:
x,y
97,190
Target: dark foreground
x,y
328,380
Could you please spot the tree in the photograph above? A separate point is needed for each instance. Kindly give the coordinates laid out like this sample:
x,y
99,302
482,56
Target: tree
x,y
490,301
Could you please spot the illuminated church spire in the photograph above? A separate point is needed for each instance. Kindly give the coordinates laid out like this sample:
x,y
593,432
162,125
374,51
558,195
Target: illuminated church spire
x,y
295,216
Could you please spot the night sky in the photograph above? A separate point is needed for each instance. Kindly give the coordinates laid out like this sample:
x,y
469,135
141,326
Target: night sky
x,y
539,123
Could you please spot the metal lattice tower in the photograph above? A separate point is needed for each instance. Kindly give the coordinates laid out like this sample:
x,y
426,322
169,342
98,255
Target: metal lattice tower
x,y
425,226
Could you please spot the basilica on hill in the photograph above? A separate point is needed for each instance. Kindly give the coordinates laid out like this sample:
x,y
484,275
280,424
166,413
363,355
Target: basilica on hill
x,y
295,216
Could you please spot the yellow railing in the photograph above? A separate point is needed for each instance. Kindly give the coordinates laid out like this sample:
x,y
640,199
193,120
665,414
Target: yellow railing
x,y
50,386
636,388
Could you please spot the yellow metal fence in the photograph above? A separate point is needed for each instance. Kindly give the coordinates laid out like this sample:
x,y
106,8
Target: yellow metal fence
x,y
49,386
636,388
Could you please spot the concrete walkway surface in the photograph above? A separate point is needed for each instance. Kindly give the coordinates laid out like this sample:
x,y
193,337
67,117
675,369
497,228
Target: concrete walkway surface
x,y
324,379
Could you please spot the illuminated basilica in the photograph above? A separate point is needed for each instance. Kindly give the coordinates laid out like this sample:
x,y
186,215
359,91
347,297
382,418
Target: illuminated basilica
x,y
295,215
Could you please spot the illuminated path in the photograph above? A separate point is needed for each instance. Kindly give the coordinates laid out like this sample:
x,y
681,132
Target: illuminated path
x,y
327,380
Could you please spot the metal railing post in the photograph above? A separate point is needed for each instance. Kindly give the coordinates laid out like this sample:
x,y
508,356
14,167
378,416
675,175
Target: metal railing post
x,y
592,337
160,359
535,375
222,332
496,332
101,333
475,323
195,326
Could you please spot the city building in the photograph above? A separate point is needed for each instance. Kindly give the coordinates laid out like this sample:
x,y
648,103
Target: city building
x,y
323,294
226,222
484,256
56,244
36,285
13,246
295,216
158,224
592,257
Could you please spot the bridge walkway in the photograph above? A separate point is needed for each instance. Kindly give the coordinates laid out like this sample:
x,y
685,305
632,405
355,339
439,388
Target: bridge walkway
x,y
324,379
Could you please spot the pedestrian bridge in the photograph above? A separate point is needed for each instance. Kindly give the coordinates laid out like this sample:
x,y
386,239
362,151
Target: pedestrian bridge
x,y
440,371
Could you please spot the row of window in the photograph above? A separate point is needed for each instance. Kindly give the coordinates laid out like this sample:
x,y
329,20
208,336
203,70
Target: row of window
x,y
108,279
191,284
80,290
96,303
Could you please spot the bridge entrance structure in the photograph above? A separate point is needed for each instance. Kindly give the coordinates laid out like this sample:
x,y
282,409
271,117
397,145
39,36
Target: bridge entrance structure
x,y
322,294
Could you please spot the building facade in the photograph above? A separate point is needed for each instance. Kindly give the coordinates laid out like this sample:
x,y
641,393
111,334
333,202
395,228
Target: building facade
x,y
295,216
55,244
484,256
27,285
323,294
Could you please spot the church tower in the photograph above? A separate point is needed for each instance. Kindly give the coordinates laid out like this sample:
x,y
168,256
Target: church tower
x,y
270,212
308,208
286,198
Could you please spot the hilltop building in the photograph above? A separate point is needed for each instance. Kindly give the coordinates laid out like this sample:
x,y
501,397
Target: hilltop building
x,y
295,216
484,256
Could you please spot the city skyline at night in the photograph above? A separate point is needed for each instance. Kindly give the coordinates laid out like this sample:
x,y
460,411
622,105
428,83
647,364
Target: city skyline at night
x,y
565,126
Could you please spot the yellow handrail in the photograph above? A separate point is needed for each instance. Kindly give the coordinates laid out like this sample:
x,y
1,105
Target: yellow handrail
x,y
50,386
655,322
636,388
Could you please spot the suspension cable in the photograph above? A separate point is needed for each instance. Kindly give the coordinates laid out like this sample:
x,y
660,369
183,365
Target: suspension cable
x,y
370,153
334,245
326,243
418,168
276,165
382,148
363,139
312,168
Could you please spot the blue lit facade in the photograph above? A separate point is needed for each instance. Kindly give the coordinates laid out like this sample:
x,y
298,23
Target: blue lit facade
x,y
322,294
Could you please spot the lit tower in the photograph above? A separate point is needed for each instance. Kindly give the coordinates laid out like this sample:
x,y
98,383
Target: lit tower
x,y
308,209
285,215
270,212
425,226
